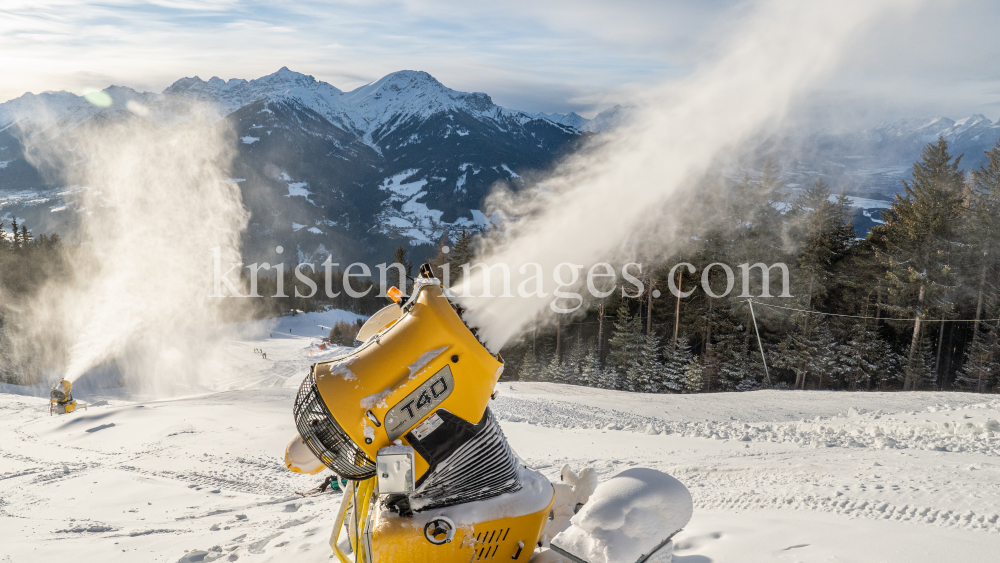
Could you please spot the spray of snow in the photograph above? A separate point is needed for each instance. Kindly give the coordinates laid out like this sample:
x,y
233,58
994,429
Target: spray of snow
x,y
596,201
629,516
137,300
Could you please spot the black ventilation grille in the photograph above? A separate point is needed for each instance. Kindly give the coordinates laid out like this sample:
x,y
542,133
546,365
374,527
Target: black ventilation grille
x,y
326,439
481,468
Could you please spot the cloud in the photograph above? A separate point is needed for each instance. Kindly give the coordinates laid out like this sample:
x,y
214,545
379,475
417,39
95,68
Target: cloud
x,y
537,56
563,50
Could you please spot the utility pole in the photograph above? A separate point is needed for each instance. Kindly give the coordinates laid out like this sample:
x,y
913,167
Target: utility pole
x,y
762,356
649,306
558,339
600,333
677,310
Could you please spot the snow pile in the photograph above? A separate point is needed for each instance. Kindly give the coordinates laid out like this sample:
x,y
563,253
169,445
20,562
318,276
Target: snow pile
x,y
628,517
573,492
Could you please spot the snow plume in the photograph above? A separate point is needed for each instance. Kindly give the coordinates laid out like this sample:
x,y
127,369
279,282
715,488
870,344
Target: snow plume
x,y
137,302
595,204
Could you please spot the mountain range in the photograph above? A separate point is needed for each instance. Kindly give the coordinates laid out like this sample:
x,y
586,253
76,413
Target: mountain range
x,y
405,159
400,161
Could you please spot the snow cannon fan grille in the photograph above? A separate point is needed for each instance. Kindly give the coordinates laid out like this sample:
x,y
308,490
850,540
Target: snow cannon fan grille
x,y
326,439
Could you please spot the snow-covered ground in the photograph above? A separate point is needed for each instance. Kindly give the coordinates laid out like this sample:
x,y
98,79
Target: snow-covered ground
x,y
775,476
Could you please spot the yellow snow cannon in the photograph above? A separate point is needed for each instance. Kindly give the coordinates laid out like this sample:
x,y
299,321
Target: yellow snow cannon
x,y
61,399
405,418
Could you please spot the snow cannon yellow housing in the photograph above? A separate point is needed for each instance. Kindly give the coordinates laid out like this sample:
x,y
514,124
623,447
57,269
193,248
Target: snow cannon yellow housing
x,y
405,416
61,398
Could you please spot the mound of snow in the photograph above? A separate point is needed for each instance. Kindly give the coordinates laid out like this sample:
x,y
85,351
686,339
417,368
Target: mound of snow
x,y
627,517
570,495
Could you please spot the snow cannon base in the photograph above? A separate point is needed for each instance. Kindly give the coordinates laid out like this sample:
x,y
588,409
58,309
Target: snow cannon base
x,y
61,408
631,518
506,527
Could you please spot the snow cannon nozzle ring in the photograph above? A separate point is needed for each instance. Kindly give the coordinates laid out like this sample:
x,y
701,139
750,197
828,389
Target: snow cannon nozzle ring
x,y
436,527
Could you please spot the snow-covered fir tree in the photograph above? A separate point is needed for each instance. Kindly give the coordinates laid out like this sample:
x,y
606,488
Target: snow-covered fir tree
x,y
737,367
677,361
611,379
694,379
573,363
591,373
529,365
625,345
644,372
868,361
981,369
920,368
553,371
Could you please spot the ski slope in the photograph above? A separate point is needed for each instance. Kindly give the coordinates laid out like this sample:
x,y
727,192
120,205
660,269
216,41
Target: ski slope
x,y
775,476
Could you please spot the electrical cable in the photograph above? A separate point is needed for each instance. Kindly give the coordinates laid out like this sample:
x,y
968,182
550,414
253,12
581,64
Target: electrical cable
x,y
878,318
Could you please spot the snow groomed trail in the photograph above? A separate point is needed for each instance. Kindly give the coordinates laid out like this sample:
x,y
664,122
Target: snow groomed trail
x,y
775,476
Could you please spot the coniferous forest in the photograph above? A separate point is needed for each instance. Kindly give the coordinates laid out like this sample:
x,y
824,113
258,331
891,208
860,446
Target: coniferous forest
x,y
914,305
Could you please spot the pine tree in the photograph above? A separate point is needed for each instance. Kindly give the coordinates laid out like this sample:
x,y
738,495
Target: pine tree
x,y
625,344
981,367
612,379
573,364
868,360
529,365
793,354
399,257
825,234
553,371
644,372
981,229
737,366
590,368
677,362
918,231
694,376
920,367
463,253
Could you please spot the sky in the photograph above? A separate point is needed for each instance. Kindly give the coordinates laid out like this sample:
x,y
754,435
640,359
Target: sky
x,y
938,57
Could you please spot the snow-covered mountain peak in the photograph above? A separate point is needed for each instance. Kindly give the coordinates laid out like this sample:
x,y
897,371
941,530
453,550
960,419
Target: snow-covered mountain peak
x,y
927,130
571,119
608,119
397,95
235,93
372,110
65,110
407,93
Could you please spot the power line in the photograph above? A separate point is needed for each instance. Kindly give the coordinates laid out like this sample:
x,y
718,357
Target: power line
x,y
876,318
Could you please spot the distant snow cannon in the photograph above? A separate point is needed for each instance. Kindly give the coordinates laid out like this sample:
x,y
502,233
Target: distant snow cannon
x,y
61,399
405,418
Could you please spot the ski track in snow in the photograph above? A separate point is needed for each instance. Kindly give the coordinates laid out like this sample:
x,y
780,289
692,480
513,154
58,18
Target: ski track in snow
x,y
200,477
